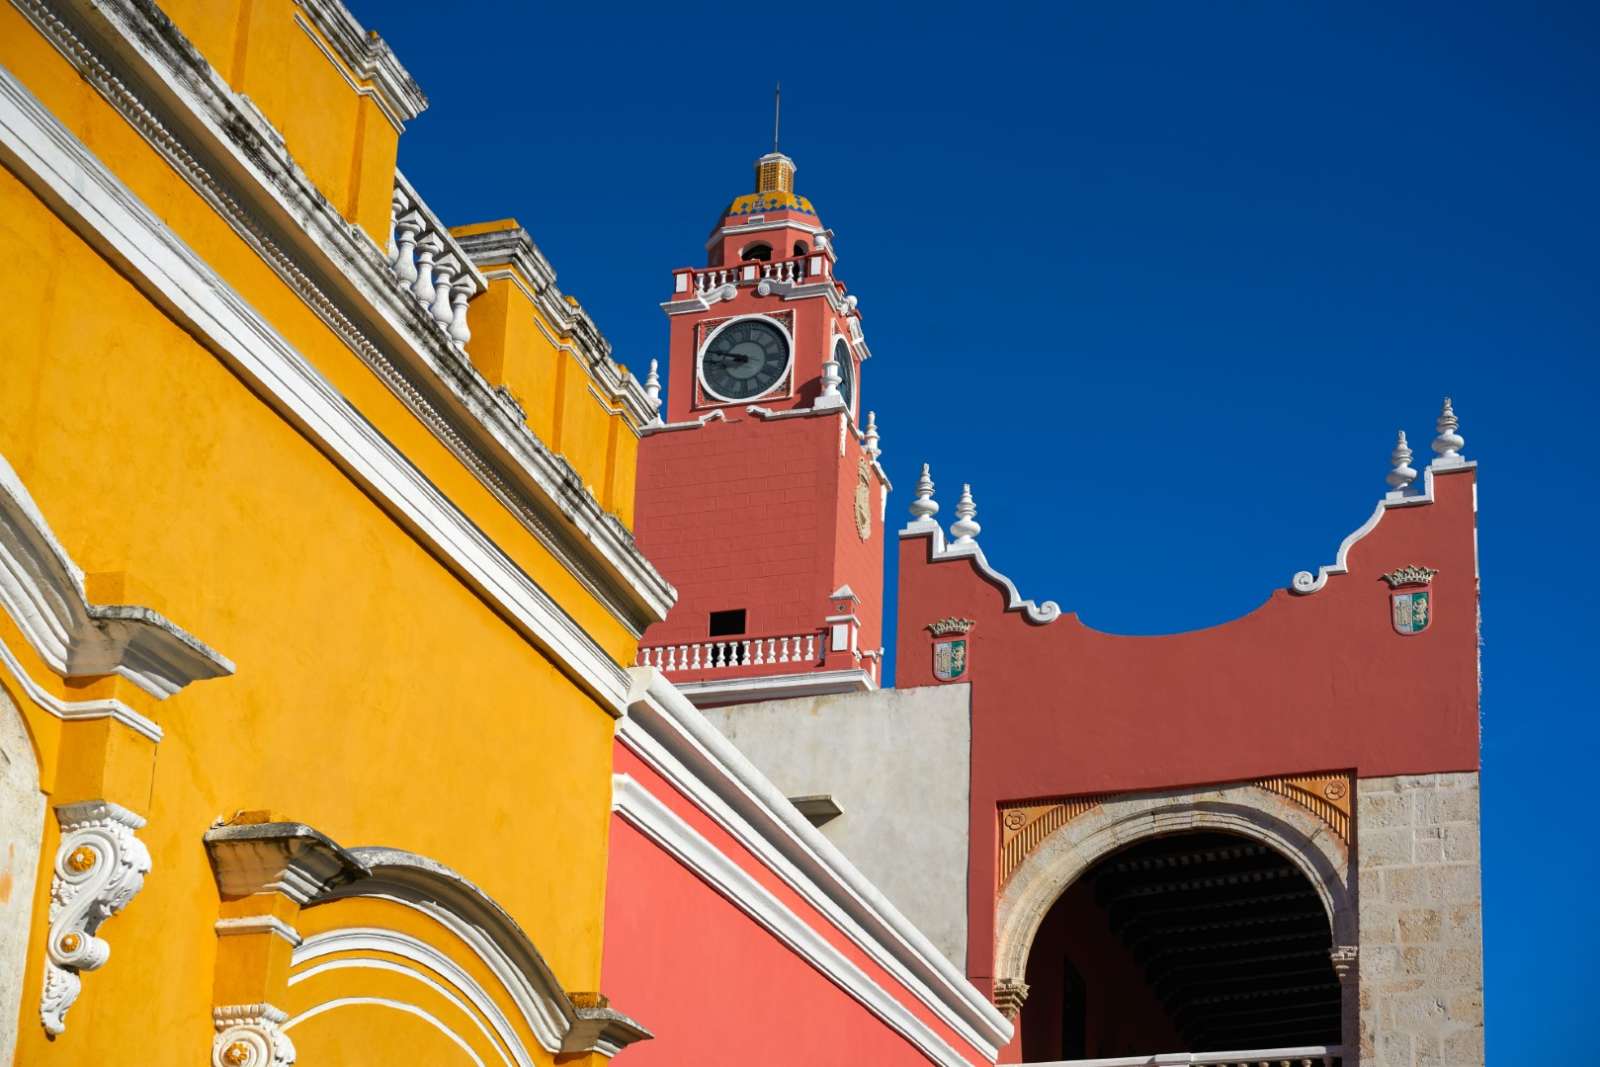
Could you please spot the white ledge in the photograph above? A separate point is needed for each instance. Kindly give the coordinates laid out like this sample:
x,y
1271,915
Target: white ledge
x,y
43,590
938,552
1305,583
776,687
671,735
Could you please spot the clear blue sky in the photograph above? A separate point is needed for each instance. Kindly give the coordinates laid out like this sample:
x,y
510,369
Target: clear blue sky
x,y
1161,281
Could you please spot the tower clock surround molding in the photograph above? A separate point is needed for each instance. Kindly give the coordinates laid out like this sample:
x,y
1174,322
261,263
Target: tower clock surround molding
x,y
711,397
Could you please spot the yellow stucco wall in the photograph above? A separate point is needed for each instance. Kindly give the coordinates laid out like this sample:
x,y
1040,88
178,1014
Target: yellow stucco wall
x,y
270,51
377,697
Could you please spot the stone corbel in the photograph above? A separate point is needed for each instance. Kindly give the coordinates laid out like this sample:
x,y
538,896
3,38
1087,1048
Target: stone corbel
x,y
1009,995
1344,960
250,1035
99,867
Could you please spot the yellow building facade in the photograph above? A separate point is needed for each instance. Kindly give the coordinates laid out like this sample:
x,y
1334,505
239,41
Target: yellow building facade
x,y
315,564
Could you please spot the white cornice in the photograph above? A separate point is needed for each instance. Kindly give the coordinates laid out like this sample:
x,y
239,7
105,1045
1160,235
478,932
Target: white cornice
x,y
1305,583
1049,611
73,710
525,266
776,687
344,278
671,735
61,169
369,58
668,831
43,591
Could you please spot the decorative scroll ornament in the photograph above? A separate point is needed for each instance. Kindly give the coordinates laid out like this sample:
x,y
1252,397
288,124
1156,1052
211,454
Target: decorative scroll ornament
x,y
250,1035
949,625
1024,826
1009,996
1410,575
864,500
100,865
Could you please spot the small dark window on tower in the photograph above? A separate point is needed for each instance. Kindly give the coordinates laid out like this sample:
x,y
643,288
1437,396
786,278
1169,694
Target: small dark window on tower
x,y
800,248
727,623
760,250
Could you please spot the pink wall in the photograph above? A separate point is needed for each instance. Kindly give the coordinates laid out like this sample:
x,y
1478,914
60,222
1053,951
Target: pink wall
x,y
1123,1016
1302,684
716,987
757,515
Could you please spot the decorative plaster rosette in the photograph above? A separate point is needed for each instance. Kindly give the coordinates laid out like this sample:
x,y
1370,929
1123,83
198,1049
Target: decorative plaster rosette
x,y
99,866
250,1035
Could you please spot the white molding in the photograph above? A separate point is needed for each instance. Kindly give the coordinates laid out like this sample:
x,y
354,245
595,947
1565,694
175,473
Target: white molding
x,y
938,552
244,925
397,1005
368,56
667,830
1305,583
339,273
670,734
250,1035
1320,1054
776,686
353,939
719,415
78,710
43,591
58,166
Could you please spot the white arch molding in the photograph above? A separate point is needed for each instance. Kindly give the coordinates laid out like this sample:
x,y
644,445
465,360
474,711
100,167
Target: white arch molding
x,y
1247,810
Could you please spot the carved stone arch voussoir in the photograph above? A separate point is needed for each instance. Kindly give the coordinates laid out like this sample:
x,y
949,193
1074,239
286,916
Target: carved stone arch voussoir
x,y
1116,821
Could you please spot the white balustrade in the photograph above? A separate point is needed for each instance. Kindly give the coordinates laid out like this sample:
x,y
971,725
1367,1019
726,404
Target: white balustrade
x,y
1300,1056
790,271
800,649
429,264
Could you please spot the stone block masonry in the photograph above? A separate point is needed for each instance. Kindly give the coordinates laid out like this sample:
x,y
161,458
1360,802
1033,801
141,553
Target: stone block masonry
x,y
1421,916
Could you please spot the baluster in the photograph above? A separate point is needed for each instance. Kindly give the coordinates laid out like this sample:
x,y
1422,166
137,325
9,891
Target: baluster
x,y
670,662
427,248
746,658
397,204
811,648
444,272
406,229
696,664
460,293
772,651
783,650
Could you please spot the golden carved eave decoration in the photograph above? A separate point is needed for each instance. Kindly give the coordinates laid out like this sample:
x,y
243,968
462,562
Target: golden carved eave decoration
x,y
1025,825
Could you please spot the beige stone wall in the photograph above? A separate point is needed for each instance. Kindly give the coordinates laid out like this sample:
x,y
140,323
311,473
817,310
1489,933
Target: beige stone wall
x,y
1420,903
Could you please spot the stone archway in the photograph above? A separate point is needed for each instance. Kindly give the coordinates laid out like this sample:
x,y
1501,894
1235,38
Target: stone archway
x,y
1250,811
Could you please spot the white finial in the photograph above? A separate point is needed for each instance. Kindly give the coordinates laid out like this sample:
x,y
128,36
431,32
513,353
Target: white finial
x,y
830,377
924,507
966,526
1448,443
1402,475
870,438
652,387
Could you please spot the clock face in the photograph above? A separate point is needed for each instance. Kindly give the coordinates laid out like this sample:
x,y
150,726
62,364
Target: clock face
x,y
847,373
745,359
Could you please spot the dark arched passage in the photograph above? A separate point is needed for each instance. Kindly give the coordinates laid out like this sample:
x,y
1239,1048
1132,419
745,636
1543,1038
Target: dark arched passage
x,y
1197,941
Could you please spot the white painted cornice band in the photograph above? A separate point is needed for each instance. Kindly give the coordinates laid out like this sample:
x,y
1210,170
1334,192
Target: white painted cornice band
x,y
1305,583
147,70
48,158
777,686
661,825
369,58
43,591
674,739
514,248
938,551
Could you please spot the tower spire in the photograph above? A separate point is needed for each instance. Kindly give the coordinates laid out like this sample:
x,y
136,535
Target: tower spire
x,y
777,111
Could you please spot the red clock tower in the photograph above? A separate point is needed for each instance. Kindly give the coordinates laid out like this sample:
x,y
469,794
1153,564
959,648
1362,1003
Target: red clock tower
x,y
760,493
